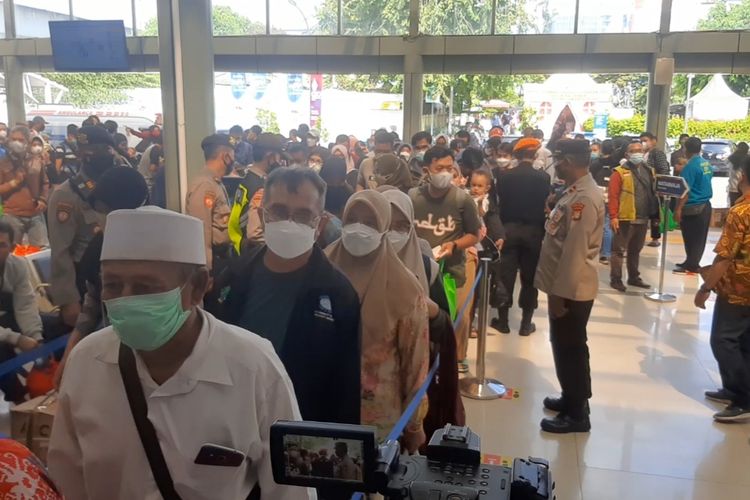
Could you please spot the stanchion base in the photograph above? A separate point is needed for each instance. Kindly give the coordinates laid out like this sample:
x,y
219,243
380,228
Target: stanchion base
x,y
660,297
473,388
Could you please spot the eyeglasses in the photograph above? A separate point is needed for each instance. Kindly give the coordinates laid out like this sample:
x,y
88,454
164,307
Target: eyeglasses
x,y
280,213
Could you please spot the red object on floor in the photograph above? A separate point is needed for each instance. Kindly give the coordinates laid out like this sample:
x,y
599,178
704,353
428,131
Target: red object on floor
x,y
39,381
23,250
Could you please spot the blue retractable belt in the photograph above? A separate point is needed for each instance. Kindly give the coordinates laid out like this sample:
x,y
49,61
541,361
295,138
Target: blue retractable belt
x,y
414,403
51,347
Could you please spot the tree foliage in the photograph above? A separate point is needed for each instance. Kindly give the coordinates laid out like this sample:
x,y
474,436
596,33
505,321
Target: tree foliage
x,y
365,17
724,16
630,90
738,130
268,121
224,21
93,89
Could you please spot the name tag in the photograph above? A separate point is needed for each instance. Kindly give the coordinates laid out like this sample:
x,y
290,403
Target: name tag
x,y
325,310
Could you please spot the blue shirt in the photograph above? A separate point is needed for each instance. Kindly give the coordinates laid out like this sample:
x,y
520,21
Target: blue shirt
x,y
698,174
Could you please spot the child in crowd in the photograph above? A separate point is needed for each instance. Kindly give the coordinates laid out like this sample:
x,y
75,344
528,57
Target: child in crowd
x,y
492,233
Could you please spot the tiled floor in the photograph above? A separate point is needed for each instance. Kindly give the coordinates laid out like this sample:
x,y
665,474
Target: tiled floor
x,y
652,433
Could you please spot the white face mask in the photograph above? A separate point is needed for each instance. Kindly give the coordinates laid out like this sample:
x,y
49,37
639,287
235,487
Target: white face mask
x,y
37,150
316,166
503,162
636,158
16,147
289,239
360,239
311,143
3,134
398,239
441,180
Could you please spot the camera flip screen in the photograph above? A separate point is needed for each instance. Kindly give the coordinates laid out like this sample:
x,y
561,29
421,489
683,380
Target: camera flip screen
x,y
323,458
322,455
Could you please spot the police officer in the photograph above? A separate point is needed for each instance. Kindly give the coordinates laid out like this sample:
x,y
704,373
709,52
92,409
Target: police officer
x,y
245,226
66,163
207,199
567,273
73,221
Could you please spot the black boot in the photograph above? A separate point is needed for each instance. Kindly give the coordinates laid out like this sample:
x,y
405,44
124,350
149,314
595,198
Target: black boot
x,y
501,322
527,327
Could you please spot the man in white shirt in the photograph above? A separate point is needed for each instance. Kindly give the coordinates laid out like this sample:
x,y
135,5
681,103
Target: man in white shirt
x,y
205,382
543,160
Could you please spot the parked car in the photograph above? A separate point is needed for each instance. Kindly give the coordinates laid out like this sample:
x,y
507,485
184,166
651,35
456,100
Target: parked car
x,y
717,152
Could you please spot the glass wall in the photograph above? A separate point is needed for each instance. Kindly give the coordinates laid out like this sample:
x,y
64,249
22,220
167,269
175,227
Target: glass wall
x,y
535,16
110,10
622,16
146,23
708,15
131,99
32,16
374,17
304,17
239,17
447,17
279,102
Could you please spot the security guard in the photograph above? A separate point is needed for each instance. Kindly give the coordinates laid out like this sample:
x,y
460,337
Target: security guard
x,y
207,199
567,272
245,220
66,163
72,220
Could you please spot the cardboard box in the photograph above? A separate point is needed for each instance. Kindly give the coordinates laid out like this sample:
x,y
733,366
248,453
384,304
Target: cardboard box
x,y
31,423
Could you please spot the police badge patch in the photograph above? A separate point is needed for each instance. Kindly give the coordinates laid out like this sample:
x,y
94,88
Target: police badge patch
x,y
63,212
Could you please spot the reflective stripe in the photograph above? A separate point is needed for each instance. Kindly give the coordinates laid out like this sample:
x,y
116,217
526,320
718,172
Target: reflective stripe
x,y
238,218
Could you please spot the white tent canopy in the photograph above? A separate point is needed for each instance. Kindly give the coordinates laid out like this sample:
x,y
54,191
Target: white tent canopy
x,y
717,102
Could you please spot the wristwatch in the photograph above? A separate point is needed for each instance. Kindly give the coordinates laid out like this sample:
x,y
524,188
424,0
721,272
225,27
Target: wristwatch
x,y
705,289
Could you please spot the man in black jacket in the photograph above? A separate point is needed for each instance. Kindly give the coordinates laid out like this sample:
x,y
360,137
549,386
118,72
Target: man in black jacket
x,y
289,293
656,159
523,193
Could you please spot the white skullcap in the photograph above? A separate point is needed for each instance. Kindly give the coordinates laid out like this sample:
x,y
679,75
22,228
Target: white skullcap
x,y
152,233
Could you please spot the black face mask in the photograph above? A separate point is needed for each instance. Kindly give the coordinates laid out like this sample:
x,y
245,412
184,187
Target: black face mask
x,y
229,166
96,165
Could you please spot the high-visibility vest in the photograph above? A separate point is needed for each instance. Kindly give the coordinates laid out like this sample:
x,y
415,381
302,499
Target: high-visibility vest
x,y
627,193
238,217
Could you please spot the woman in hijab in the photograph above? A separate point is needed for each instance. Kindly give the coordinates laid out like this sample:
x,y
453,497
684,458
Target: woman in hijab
x,y
392,171
445,405
333,173
341,151
442,140
395,345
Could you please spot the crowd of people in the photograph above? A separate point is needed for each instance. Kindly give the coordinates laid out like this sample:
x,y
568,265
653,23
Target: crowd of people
x,y
348,262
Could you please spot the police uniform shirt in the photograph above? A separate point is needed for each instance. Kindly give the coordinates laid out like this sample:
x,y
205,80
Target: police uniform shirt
x,y
207,200
72,223
568,264
228,392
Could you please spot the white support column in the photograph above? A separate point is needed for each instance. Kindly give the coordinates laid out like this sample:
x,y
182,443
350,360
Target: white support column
x,y
13,72
186,66
413,77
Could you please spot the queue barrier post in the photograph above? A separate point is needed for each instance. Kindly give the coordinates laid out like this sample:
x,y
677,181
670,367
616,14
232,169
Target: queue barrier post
x,y
481,387
659,295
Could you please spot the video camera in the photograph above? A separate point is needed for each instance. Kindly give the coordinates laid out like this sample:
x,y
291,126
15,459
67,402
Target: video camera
x,y
345,459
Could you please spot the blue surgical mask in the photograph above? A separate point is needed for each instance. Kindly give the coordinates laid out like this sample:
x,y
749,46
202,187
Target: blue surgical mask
x,y
594,156
419,155
147,322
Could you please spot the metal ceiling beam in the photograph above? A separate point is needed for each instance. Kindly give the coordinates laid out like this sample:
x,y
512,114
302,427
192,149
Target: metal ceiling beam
x,y
694,51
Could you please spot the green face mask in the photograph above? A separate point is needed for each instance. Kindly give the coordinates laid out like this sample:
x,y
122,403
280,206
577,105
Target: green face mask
x,y
147,322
